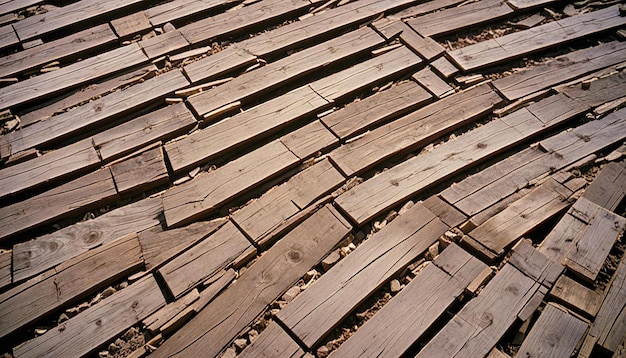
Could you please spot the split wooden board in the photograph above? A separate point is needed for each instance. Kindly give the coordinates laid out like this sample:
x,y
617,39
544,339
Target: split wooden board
x,y
140,172
177,10
609,188
273,342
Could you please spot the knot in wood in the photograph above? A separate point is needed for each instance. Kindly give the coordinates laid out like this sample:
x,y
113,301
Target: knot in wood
x,y
294,255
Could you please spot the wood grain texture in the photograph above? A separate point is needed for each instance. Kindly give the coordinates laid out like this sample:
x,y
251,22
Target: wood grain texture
x,y
316,311
163,44
424,8
273,342
158,319
272,274
609,188
433,83
423,46
177,10
534,264
8,37
309,140
140,172
6,278
577,296
99,324
444,67
218,64
136,23
67,283
33,257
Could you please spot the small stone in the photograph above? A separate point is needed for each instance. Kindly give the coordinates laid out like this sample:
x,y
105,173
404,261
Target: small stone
x,y
113,348
345,251
310,274
415,265
406,207
40,331
274,312
360,235
392,215
184,179
103,354
62,318
108,292
322,352
119,342
291,294
433,250
331,260
230,352
394,286
71,312
570,10
352,246
132,332
252,335
96,299
240,344
83,306
194,172
122,285
380,225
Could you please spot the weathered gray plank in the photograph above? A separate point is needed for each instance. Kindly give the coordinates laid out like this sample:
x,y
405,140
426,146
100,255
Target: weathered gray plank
x,y
309,140
163,44
140,172
577,296
433,83
609,188
6,278
176,10
273,342
218,64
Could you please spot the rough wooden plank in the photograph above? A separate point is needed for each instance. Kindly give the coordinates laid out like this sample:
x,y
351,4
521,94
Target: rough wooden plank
x,y
577,296
80,195
161,317
444,211
243,128
163,44
457,18
177,10
527,4
476,329
609,188
158,125
98,112
218,64
67,283
97,325
423,46
140,172
316,311
288,69
5,268
273,342
68,15
555,334
554,33
530,21
204,259
272,274
601,91
369,112
131,24
7,6
404,319
444,67
424,8
414,130
265,214
58,50
309,140
433,83
561,69
71,76
8,37
34,256
534,264
209,293
207,192
50,168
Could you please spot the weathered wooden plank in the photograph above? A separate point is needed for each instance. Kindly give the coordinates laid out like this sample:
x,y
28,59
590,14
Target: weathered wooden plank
x,y
7,6
534,264
316,311
243,128
424,8
369,112
140,172
163,44
131,24
50,168
577,296
404,319
218,64
600,91
265,214
161,317
272,274
433,83
8,37
555,334
158,125
527,4
517,219
561,69
414,130
98,112
444,211
457,18
58,50
177,10
592,248
520,43
273,342
309,140
609,188
204,260
422,46
207,192
476,329
5,268
71,76
68,15
228,23
67,283
444,67
80,195
288,69
209,293
35,256
97,325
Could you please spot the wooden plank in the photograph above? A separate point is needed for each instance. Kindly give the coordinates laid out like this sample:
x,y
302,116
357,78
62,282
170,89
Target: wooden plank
x,y
433,83
457,18
98,112
204,260
99,324
424,8
140,172
35,256
5,268
517,219
530,21
592,248
80,195
228,23
316,311
273,342
265,214
8,37
69,15
527,4
131,24
207,192
444,67
161,317
272,274
215,288
404,319
534,264
218,64
423,46
163,44
67,47
159,246
243,128
7,6
577,296
359,116
444,211
159,125
601,91
609,188
49,168
517,44
555,334
414,130
561,69
68,282
71,76
276,74
480,324
309,140
177,10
